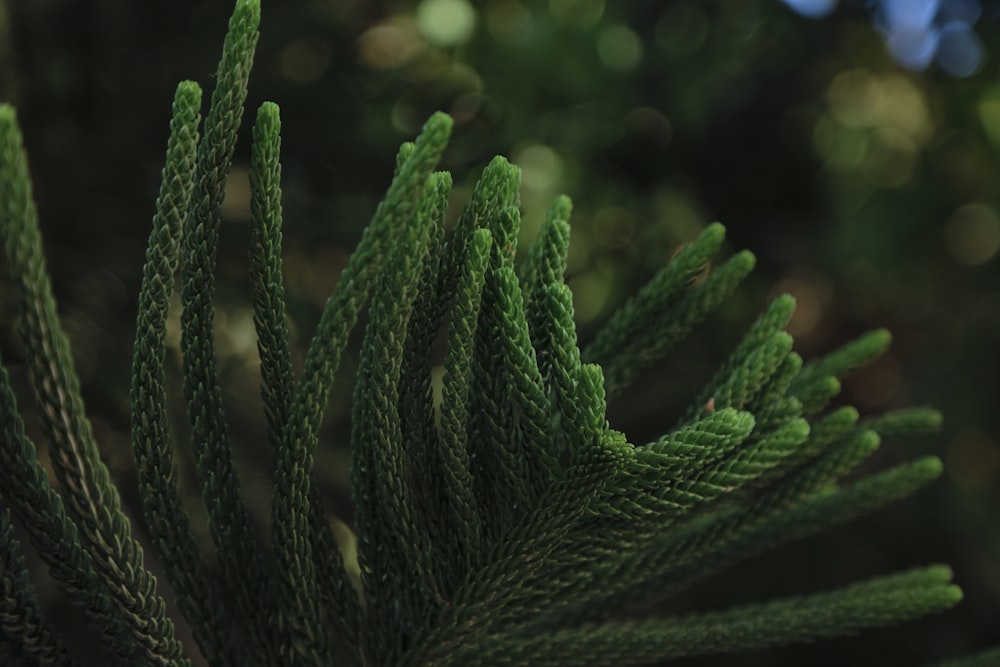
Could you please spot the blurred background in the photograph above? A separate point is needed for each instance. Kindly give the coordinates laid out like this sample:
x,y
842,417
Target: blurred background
x,y
854,147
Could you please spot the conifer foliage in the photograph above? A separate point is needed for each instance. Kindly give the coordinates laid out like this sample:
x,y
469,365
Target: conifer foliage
x,y
500,519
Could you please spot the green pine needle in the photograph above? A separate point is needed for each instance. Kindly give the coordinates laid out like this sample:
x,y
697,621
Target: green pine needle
x,y
92,500
499,518
866,605
199,597
21,619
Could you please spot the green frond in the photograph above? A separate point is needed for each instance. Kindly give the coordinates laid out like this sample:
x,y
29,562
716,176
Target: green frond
x,y
767,400
502,521
854,355
389,546
93,500
666,286
417,412
905,423
198,596
560,356
415,163
290,509
592,406
337,597
403,155
819,382
663,563
230,524
25,490
827,430
496,189
416,401
832,448
707,547
815,395
526,388
658,330
467,544
499,464
21,618
747,375
876,603
838,459
520,573
766,452
545,266
266,275
699,442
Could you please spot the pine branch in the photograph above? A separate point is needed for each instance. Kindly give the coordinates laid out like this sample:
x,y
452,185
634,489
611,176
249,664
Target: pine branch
x,y
500,463
770,324
687,469
905,423
21,619
199,596
392,553
25,489
92,499
544,267
698,443
826,432
416,405
266,276
664,290
495,190
875,603
294,459
525,392
336,593
505,523
659,326
706,546
465,548
501,590
819,380
237,546
559,347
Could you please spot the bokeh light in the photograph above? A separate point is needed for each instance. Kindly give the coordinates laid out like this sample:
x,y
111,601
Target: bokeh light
x,y
972,234
919,32
390,44
541,167
813,9
960,52
446,22
988,111
877,126
619,47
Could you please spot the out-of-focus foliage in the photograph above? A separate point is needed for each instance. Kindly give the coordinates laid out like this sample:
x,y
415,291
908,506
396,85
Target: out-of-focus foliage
x,y
919,32
868,190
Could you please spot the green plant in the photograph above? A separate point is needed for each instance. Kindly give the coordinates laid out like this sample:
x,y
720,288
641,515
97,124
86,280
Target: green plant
x,y
500,519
